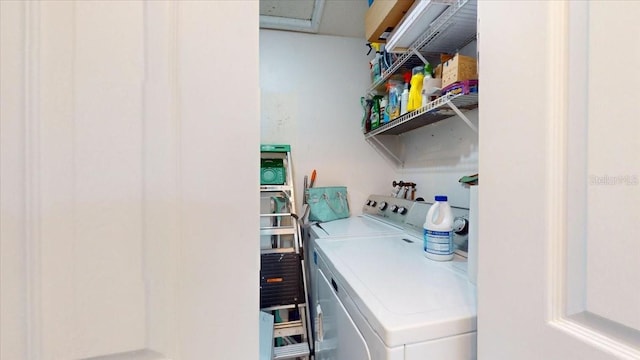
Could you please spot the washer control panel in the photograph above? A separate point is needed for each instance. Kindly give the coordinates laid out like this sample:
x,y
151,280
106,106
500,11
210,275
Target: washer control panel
x,y
410,215
387,208
415,221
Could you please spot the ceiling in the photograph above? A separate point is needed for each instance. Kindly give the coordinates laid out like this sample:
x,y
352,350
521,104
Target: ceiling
x,y
327,17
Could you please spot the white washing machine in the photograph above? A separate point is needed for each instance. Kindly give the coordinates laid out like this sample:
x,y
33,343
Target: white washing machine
x,y
381,215
380,298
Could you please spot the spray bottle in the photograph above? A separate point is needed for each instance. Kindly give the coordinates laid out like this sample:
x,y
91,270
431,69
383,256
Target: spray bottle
x,y
375,112
366,114
375,63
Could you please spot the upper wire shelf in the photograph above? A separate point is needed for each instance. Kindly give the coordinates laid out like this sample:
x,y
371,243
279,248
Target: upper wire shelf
x,y
452,30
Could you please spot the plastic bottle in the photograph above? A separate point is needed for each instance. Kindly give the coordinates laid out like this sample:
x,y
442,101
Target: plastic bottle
x,y
384,114
375,112
426,83
383,59
366,114
375,63
394,90
404,98
438,231
415,93
430,87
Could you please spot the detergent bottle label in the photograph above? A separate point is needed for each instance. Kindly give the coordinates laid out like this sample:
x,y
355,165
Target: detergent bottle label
x,y
438,242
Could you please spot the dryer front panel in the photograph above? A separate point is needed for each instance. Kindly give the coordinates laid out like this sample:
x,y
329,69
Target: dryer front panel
x,y
337,337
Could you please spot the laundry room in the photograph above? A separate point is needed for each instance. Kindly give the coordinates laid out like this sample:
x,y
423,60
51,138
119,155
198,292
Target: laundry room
x,y
374,281
315,85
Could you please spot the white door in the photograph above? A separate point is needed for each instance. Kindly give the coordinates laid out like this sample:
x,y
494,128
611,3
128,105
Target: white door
x,y
559,250
114,235
337,337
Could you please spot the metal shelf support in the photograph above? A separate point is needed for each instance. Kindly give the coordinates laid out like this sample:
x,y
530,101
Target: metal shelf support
x,y
398,161
417,53
462,116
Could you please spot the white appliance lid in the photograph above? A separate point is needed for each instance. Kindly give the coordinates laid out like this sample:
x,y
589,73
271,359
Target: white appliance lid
x,y
354,226
405,297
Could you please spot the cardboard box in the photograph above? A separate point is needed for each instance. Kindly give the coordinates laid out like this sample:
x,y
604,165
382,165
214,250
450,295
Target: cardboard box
x,y
459,68
445,57
382,17
437,73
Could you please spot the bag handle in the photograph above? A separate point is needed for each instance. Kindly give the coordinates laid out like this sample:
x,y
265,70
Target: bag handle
x,y
345,203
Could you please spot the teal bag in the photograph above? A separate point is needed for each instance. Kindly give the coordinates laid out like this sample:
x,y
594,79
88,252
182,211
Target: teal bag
x,y
327,203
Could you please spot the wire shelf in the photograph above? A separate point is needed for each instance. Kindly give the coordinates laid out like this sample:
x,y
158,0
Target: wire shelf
x,y
452,30
433,112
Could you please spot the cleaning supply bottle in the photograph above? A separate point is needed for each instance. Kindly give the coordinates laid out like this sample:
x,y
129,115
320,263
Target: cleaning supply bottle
x,y
376,70
383,59
384,112
375,112
393,108
415,93
366,114
425,84
438,231
404,98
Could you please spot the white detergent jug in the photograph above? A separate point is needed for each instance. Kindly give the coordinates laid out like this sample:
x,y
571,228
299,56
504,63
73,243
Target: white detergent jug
x,y
438,231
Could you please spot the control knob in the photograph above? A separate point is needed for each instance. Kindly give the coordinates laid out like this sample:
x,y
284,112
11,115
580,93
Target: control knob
x,y
394,208
373,203
461,226
402,210
382,206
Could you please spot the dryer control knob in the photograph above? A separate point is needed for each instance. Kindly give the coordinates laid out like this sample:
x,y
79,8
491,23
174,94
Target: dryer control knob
x,y
402,210
394,208
373,203
382,206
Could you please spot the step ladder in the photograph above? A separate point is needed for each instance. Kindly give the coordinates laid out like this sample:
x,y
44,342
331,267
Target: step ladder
x,y
283,284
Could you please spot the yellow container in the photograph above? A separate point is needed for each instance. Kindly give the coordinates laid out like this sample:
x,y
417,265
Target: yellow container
x,y
415,93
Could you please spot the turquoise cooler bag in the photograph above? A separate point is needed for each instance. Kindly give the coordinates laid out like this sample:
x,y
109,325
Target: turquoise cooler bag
x,y
327,203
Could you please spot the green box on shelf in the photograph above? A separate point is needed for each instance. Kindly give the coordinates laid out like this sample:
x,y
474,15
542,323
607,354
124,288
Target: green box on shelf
x,y
281,148
272,172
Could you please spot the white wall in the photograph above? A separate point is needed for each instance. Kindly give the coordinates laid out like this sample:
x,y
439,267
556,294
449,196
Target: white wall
x,y
310,88
438,155
116,236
